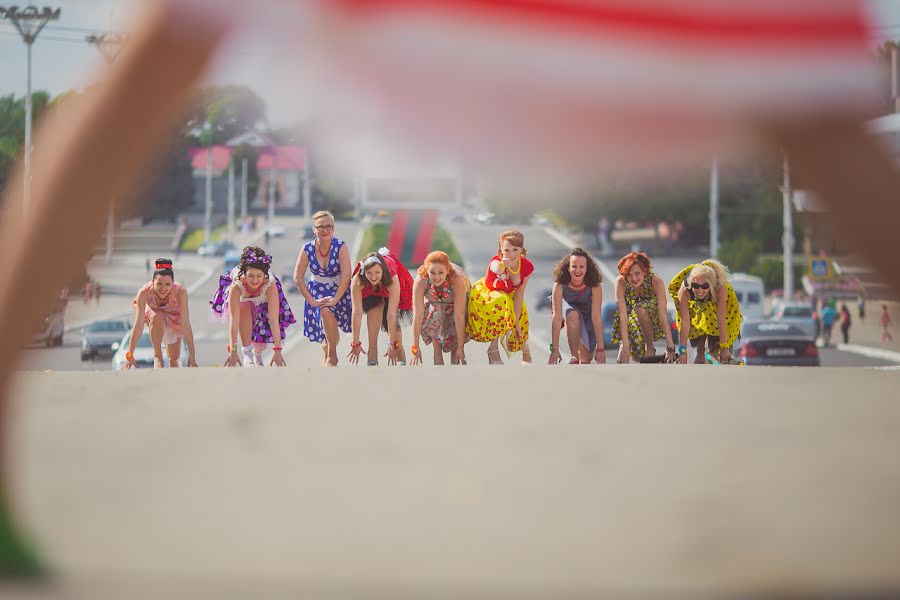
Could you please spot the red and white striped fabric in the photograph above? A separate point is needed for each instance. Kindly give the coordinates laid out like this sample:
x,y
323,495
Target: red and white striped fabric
x,y
599,81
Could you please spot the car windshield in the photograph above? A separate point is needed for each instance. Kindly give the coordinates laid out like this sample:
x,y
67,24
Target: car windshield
x,y
796,311
108,327
144,342
771,329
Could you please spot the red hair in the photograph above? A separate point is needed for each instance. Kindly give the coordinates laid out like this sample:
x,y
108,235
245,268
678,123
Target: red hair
x,y
439,258
629,261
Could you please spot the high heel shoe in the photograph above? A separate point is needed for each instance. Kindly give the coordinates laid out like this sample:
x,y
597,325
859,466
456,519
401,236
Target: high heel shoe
x,y
494,353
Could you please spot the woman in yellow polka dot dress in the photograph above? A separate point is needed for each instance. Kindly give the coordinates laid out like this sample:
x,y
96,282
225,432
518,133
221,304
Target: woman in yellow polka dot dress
x,y
705,299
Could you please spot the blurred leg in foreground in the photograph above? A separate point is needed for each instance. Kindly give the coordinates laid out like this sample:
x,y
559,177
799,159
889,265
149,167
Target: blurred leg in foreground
x,y
87,153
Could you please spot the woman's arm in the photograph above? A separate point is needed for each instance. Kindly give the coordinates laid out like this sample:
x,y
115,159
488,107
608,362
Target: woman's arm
x,y
393,301
355,321
623,313
418,317
459,315
662,303
234,324
555,323
186,329
274,309
299,273
496,267
346,270
597,320
721,308
140,303
684,310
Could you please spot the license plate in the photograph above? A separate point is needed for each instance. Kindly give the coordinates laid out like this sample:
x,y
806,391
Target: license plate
x,y
780,352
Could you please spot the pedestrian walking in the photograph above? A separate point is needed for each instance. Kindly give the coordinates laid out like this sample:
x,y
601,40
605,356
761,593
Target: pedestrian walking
x,y
251,298
87,291
861,306
828,317
641,317
708,311
327,310
576,299
845,323
97,291
440,301
885,324
162,305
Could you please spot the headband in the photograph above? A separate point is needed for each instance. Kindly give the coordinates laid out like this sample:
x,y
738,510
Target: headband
x,y
371,261
252,257
163,265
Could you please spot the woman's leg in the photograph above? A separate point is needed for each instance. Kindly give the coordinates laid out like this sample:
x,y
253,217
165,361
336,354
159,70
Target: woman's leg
x,y
573,332
174,352
157,328
646,324
332,335
700,359
374,317
402,357
585,356
438,353
493,352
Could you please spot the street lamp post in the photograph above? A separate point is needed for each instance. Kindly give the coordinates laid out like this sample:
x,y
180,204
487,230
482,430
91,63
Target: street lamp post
x,y
29,21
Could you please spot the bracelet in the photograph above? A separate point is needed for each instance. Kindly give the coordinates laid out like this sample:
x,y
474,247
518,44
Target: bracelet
x,y
552,347
393,345
414,349
356,344
232,349
670,348
129,357
277,349
682,349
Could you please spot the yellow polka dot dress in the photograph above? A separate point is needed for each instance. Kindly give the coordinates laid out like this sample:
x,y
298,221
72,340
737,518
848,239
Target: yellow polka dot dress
x,y
703,312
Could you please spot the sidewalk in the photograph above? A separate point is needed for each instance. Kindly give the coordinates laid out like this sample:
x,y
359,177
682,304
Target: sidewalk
x,y
865,334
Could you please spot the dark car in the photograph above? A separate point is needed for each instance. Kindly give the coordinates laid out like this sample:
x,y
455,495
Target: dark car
x,y
776,343
98,338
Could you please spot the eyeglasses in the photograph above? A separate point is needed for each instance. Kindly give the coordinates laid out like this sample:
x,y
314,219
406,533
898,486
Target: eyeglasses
x,y
324,227
699,286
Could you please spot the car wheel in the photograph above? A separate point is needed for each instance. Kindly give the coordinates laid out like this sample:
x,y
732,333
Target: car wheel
x,y
85,357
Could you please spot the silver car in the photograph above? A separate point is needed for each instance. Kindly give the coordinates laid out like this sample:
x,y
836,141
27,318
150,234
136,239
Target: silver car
x,y
98,338
776,343
798,314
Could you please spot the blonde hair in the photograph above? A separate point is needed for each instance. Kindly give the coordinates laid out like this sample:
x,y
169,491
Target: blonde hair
x,y
712,270
322,213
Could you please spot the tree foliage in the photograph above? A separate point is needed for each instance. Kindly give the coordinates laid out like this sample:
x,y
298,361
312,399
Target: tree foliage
x,y
12,128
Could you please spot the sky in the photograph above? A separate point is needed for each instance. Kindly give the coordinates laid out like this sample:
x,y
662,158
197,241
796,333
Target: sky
x,y
62,60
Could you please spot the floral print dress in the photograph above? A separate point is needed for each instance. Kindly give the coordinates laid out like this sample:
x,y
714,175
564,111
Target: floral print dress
x,y
647,300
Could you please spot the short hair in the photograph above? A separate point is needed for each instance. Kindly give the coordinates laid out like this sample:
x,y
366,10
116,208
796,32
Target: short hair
x,y
437,257
632,258
515,237
322,213
592,276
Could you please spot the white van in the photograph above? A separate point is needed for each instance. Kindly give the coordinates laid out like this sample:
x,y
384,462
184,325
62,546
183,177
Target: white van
x,y
750,294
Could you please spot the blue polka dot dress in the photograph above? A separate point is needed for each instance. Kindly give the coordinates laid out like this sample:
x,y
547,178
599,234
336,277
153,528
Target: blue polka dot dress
x,y
323,283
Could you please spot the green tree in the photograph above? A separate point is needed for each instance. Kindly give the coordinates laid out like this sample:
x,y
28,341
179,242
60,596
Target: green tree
x,y
168,189
231,110
12,128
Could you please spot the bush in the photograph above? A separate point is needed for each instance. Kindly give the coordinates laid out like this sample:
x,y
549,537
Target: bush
x,y
374,237
740,254
194,238
771,270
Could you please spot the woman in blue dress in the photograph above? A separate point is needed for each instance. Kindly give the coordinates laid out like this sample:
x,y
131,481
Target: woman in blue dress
x,y
327,310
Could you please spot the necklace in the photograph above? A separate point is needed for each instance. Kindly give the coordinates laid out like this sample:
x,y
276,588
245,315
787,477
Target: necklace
x,y
327,252
516,272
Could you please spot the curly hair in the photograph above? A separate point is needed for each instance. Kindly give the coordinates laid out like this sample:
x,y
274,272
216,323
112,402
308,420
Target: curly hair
x,y
712,270
592,276
440,258
629,261
515,237
386,277
254,257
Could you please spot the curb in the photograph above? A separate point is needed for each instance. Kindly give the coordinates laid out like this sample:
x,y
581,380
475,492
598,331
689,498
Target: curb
x,y
877,353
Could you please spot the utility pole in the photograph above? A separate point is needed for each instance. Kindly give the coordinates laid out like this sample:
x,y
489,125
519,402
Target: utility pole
x,y
207,216
243,189
109,44
230,198
714,208
893,76
787,240
29,21
307,191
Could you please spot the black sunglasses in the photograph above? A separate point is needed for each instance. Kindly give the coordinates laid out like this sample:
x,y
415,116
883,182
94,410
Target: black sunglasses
x,y
699,286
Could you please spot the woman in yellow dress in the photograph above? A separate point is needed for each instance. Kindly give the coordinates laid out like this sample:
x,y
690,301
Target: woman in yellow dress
x,y
497,310
706,300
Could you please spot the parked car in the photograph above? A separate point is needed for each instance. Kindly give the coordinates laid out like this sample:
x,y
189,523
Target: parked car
x,y
776,343
287,282
215,248
485,218
307,233
98,338
276,230
798,314
50,331
143,352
